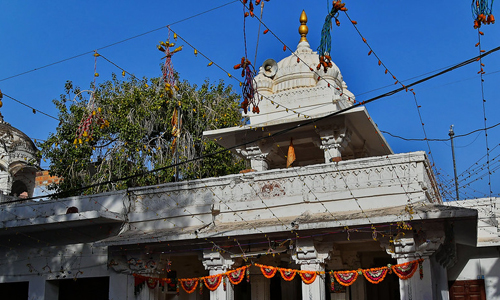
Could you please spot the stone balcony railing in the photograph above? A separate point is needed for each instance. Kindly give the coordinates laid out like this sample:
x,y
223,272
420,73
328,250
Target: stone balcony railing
x,y
346,187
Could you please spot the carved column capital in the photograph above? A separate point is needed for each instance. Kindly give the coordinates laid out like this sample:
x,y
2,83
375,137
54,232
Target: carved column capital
x,y
257,154
215,261
333,140
307,253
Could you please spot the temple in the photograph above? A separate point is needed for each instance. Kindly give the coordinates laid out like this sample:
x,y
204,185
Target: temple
x,y
324,195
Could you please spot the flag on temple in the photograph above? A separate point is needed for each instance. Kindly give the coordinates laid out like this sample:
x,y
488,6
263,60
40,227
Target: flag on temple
x,y
290,158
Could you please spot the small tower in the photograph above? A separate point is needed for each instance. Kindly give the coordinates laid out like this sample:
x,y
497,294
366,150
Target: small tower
x,y
18,163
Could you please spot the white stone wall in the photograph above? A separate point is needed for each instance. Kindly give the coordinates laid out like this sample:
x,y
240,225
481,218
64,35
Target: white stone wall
x,y
37,265
374,183
487,269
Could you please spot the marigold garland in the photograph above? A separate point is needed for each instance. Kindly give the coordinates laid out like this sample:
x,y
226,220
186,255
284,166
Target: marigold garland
x,y
212,282
287,274
406,270
346,278
267,271
236,276
375,275
189,285
308,277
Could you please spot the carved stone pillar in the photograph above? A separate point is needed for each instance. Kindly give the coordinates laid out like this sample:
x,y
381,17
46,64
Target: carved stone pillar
x,y
412,248
312,258
217,263
333,141
257,155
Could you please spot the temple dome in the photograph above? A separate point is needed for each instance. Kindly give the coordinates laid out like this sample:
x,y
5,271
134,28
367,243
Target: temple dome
x,y
297,74
294,88
18,162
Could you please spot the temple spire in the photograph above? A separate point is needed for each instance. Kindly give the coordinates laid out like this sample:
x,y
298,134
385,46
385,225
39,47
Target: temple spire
x,y
303,30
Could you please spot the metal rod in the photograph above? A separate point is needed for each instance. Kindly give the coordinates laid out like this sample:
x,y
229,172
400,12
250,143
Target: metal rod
x,y
451,133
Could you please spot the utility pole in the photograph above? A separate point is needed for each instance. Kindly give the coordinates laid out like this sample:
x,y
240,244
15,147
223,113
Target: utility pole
x,y
451,133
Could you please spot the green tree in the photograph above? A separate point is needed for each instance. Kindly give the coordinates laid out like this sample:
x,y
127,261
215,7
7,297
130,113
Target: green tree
x,y
129,132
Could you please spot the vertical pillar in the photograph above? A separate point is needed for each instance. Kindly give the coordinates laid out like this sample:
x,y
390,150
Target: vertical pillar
x,y
218,263
333,140
422,245
311,258
257,155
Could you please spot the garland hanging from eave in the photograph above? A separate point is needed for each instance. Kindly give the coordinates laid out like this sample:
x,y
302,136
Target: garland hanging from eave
x,y
346,278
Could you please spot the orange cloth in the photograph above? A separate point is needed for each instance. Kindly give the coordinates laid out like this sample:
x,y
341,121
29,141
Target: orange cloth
x,y
290,158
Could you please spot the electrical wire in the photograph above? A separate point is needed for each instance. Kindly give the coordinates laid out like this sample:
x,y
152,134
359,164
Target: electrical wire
x,y
307,122
119,42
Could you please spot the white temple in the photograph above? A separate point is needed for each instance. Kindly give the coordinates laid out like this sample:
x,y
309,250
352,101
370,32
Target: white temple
x,y
346,203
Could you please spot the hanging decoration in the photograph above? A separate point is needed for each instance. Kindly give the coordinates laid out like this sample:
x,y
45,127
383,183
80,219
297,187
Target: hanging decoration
x,y
287,274
250,97
251,7
189,285
168,68
290,158
308,277
248,90
325,45
482,13
267,271
344,278
406,270
93,117
212,282
375,275
236,276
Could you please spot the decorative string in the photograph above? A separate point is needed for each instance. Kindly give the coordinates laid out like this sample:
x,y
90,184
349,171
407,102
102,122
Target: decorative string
x,y
482,13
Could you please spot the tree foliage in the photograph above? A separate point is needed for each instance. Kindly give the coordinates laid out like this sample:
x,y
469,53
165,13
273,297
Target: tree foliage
x,y
133,134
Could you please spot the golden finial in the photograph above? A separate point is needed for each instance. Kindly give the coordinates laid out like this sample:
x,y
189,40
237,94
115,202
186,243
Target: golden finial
x,y
303,30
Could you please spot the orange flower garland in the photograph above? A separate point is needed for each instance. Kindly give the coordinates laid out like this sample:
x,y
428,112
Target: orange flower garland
x,y
189,285
287,274
236,276
406,270
212,282
267,271
375,275
308,277
346,278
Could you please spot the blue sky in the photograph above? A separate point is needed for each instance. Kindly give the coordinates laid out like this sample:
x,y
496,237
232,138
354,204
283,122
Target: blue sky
x,y
411,38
